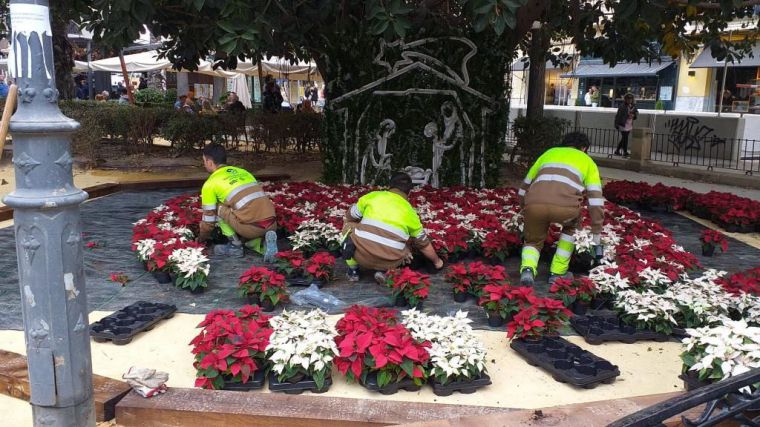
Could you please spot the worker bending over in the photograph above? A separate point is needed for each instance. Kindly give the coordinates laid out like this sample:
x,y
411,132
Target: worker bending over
x,y
380,228
553,193
234,200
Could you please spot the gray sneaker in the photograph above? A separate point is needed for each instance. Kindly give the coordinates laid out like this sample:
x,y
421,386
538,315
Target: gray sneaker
x,y
380,278
527,278
353,274
270,246
229,250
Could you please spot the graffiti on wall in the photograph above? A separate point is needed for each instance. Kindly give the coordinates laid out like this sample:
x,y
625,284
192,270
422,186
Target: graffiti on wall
x,y
690,134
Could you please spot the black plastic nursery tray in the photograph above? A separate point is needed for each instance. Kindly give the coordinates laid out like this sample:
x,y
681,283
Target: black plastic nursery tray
x,y
405,384
566,362
598,329
306,384
254,382
463,386
302,281
121,326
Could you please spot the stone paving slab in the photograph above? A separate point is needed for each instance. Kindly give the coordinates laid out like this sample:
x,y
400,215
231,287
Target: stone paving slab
x,y
108,221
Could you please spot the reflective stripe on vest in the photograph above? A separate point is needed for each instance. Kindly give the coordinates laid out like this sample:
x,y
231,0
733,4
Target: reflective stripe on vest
x,y
380,239
245,200
237,190
389,228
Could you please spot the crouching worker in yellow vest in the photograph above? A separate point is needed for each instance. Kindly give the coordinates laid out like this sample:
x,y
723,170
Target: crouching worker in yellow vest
x,y
552,193
380,229
234,200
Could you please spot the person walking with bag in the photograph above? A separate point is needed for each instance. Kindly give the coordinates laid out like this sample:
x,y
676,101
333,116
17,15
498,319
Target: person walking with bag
x,y
624,118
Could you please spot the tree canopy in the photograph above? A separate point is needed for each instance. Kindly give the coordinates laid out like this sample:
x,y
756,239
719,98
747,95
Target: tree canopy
x,y
230,29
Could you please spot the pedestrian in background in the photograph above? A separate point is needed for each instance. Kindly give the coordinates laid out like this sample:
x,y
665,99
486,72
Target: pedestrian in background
x,y
624,118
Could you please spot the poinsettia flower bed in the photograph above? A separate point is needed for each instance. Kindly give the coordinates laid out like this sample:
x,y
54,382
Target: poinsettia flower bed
x,y
163,241
735,213
372,341
231,346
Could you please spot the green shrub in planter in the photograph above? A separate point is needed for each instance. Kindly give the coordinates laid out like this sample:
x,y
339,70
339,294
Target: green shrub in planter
x,y
187,131
149,96
536,135
659,105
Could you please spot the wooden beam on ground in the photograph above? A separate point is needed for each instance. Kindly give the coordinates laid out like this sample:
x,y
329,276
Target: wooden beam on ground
x,y
14,382
187,407
589,414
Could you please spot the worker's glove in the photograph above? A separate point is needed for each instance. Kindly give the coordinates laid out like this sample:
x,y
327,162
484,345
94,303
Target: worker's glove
x,y
146,382
598,247
407,259
598,253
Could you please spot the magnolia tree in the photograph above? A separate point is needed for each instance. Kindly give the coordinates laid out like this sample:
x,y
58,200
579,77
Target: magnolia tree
x,y
417,83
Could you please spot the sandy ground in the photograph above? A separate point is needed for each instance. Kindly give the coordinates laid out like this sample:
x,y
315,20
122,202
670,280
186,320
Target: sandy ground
x,y
646,368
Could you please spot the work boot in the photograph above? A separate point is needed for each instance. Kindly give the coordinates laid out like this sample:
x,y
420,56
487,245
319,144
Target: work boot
x,y
353,274
271,246
554,277
380,278
229,250
527,278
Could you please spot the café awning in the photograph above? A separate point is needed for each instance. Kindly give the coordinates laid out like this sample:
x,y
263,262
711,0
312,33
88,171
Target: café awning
x,y
596,68
706,60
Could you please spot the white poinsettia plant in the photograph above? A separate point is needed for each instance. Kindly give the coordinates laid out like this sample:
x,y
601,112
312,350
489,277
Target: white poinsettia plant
x,y
302,342
647,310
723,351
456,353
145,248
314,234
191,266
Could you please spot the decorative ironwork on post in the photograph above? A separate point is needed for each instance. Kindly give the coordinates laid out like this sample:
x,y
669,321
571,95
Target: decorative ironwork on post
x,y
48,233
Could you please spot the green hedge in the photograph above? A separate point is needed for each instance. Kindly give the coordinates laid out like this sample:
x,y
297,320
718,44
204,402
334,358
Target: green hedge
x,y
138,126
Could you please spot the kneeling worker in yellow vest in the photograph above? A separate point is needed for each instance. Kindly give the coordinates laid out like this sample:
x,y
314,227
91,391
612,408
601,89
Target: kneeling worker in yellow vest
x,y
553,193
234,200
381,227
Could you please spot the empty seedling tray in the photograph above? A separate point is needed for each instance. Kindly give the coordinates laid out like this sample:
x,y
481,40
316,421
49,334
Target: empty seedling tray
x,y
566,362
121,326
598,329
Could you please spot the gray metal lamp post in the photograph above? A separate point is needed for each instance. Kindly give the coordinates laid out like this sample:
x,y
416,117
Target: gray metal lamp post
x,y
48,233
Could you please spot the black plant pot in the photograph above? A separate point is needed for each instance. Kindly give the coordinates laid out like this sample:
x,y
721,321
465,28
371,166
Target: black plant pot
x,y
460,296
580,307
162,277
198,290
708,250
401,302
267,305
494,320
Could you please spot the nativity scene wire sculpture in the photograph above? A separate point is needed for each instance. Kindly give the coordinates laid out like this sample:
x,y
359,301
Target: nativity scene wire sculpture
x,y
423,114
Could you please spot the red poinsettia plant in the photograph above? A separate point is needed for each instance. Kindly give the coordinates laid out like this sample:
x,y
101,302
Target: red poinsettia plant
x,y
320,266
713,239
289,263
263,284
230,347
504,299
570,290
501,244
411,285
474,276
743,282
372,341
119,278
539,317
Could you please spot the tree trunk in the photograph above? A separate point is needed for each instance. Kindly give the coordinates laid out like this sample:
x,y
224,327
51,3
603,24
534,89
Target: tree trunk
x,y
63,57
537,74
